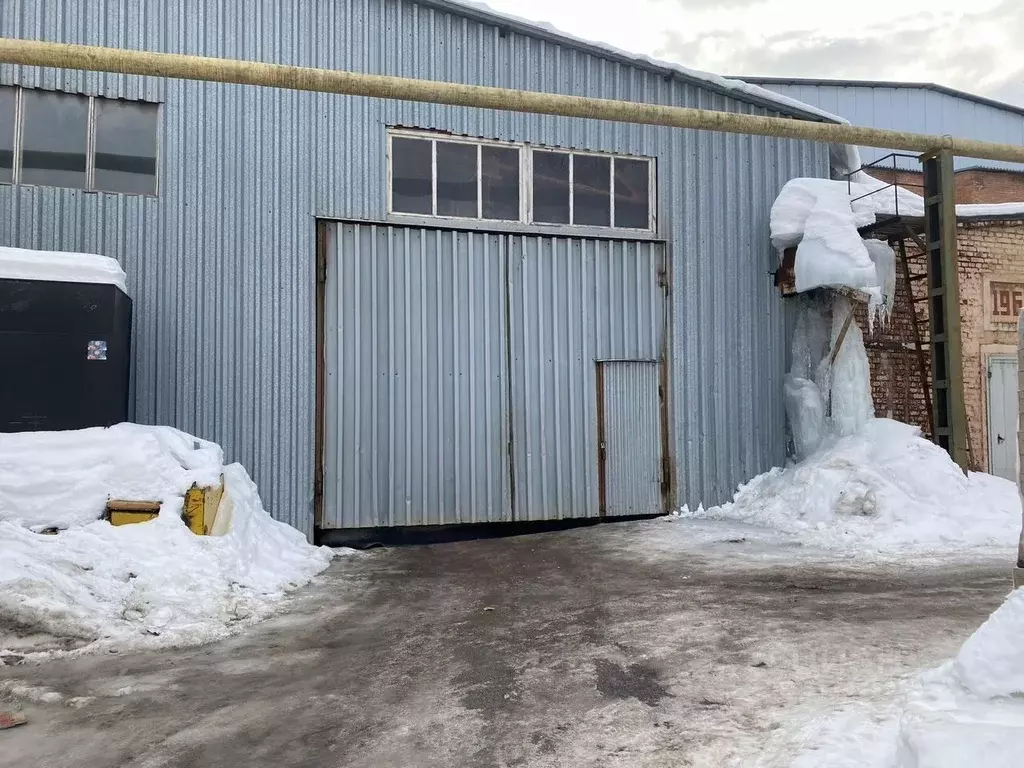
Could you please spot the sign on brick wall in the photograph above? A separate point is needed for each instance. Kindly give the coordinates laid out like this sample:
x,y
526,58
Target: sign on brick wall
x,y
1005,301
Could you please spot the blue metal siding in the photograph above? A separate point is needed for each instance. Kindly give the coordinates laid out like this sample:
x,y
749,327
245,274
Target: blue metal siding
x,y
913,109
221,264
417,384
573,302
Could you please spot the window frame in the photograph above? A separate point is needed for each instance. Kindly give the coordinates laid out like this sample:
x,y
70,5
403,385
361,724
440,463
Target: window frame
x,y
526,213
90,141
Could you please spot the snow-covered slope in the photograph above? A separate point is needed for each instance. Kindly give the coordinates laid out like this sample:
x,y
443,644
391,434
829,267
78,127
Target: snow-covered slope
x,y
885,489
140,585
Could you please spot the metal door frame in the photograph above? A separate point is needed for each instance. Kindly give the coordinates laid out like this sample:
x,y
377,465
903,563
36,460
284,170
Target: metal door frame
x,y
990,432
663,436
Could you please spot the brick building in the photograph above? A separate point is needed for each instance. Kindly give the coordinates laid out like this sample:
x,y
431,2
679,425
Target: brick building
x,y
991,251
991,281
974,185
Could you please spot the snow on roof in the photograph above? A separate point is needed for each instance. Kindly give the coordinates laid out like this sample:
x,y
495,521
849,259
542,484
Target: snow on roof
x,y
60,267
731,87
821,218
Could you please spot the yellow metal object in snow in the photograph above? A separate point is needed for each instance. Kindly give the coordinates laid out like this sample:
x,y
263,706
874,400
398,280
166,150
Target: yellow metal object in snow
x,y
199,510
126,518
194,513
121,512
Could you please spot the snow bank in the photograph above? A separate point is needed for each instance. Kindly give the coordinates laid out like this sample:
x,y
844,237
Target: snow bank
x,y
991,662
884,488
58,266
62,479
141,585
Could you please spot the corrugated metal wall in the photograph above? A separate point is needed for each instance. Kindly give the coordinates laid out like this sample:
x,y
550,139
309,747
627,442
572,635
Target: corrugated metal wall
x,y
573,302
417,411
221,264
913,109
632,437
443,348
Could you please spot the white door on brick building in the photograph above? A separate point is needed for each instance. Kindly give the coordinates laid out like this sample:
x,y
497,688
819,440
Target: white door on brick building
x,y
1002,417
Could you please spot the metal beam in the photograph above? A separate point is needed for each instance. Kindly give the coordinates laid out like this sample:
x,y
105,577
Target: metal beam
x,y
950,414
174,65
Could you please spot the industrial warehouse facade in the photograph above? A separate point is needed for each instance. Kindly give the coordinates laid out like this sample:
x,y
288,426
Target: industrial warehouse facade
x,y
405,314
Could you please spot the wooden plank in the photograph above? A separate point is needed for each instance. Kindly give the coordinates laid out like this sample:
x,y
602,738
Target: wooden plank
x,y
124,505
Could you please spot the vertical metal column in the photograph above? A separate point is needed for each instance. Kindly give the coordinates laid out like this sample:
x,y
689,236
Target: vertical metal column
x,y
950,415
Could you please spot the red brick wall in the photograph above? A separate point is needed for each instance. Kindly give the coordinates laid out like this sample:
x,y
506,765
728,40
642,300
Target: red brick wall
x,y
896,381
981,186
972,186
986,251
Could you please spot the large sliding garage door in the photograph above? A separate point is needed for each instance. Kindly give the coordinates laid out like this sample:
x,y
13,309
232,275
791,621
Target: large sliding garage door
x,y
480,377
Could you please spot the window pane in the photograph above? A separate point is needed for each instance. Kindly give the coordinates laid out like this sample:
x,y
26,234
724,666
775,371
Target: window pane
x,y
53,147
125,147
500,183
410,176
456,179
551,187
6,134
632,190
591,190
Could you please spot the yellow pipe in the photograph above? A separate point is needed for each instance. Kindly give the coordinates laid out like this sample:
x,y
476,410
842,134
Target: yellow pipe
x,y
174,65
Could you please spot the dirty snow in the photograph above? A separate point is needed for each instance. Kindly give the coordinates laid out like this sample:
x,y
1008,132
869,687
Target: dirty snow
x,y
967,712
991,663
59,266
141,585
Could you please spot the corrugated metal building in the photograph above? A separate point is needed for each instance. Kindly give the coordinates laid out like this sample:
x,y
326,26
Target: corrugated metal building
x,y
916,107
507,332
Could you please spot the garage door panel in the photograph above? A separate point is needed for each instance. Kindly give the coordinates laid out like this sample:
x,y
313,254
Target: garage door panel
x,y
573,302
415,404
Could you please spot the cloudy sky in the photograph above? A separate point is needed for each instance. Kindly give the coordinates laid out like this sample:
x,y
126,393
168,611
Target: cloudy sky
x,y
976,46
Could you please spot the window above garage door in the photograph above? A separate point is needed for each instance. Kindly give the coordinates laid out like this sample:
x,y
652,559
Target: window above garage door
x,y
443,176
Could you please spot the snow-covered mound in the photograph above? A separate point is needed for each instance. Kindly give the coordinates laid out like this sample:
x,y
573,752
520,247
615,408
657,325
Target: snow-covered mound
x,y
970,712
991,662
61,479
883,488
140,585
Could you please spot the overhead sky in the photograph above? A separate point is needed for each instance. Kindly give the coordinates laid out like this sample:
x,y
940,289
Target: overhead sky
x,y
973,45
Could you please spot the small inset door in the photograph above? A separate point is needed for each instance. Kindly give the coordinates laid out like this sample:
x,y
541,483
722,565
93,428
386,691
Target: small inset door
x,y
629,438
1002,417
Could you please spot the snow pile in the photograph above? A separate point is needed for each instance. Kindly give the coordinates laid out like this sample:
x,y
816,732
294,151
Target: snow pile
x,y
968,712
991,662
971,712
883,488
61,267
820,217
62,479
140,585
